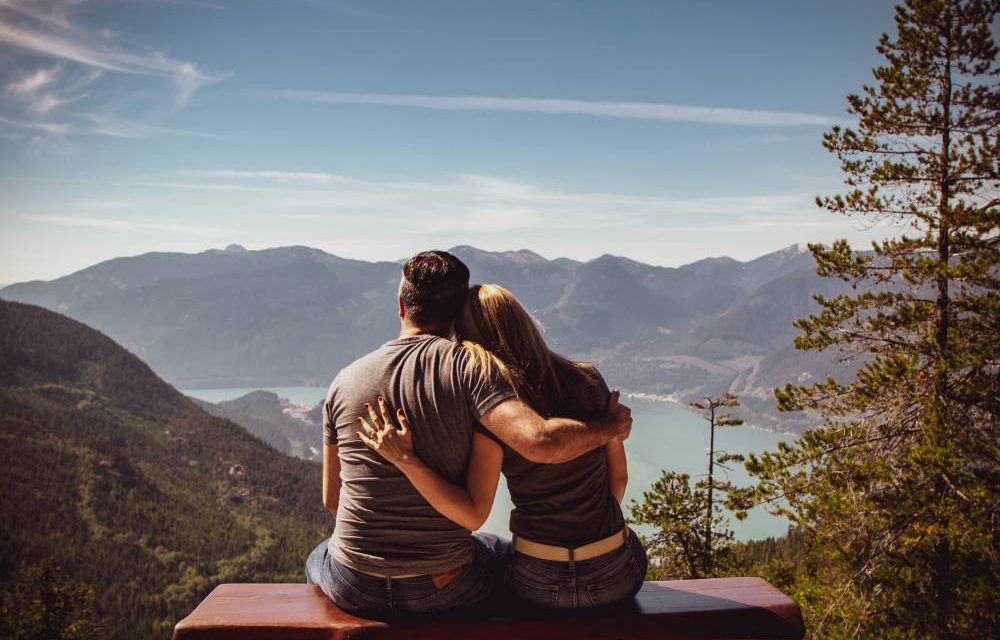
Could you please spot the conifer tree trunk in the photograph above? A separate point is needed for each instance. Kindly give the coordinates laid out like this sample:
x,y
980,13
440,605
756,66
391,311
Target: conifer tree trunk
x,y
711,466
943,579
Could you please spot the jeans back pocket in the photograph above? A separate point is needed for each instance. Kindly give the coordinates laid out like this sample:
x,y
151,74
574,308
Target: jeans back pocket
x,y
613,583
533,587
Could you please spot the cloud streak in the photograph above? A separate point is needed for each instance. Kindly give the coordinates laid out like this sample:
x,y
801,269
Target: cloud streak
x,y
460,201
33,28
112,224
37,91
34,81
281,177
53,128
366,218
186,76
471,202
557,106
116,127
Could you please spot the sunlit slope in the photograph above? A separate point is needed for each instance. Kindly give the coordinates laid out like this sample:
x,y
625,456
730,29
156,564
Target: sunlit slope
x,y
131,487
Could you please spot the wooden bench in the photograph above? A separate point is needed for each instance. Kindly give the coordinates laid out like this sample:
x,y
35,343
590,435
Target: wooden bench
x,y
713,609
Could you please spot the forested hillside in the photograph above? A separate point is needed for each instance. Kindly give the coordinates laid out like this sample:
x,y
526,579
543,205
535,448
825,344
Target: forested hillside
x,y
271,419
114,480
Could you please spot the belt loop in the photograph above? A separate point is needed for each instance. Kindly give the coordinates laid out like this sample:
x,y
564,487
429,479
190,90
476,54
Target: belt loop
x,y
388,590
572,559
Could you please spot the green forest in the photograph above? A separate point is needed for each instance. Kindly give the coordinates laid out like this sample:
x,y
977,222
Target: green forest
x,y
123,503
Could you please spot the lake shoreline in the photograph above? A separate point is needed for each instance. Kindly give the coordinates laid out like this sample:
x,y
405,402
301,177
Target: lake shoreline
x,y
672,399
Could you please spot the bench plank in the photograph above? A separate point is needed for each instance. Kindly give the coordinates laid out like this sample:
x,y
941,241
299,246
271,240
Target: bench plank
x,y
712,609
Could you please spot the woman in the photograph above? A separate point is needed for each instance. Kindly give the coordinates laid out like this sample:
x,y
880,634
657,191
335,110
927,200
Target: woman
x,y
571,546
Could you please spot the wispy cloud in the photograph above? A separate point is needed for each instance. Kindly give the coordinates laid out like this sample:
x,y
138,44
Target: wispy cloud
x,y
113,224
32,82
475,202
319,189
756,224
466,201
633,110
74,47
99,124
32,90
281,177
54,128
54,13
47,28
118,127
370,219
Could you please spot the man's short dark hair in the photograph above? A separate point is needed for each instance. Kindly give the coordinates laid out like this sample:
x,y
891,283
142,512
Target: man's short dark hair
x,y
434,287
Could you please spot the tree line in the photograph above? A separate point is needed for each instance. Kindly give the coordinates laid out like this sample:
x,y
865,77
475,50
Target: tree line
x,y
892,494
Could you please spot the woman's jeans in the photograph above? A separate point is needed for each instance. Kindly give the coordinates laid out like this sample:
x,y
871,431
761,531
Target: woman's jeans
x,y
606,579
377,597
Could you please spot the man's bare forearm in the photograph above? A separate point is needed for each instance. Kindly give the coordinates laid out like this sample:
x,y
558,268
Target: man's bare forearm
x,y
564,439
555,440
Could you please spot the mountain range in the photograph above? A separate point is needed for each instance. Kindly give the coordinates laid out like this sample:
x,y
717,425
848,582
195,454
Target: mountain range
x,y
293,316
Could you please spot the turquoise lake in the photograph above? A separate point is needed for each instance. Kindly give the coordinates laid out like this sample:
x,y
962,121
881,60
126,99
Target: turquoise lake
x,y
665,435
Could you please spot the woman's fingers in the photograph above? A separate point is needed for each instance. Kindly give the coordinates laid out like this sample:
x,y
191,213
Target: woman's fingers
x,y
404,424
368,441
380,431
369,430
376,420
384,410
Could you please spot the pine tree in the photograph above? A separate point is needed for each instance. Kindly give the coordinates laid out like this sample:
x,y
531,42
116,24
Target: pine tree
x,y
692,532
43,603
676,509
711,410
896,487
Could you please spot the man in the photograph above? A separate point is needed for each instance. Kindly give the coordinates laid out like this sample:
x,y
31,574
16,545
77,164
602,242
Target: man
x,y
391,552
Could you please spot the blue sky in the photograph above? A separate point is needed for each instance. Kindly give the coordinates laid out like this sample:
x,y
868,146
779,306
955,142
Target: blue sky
x,y
663,131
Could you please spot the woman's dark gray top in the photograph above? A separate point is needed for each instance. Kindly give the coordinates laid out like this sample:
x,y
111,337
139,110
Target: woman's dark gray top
x,y
568,504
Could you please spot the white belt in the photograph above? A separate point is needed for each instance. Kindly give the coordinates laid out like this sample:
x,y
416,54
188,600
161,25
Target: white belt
x,y
570,554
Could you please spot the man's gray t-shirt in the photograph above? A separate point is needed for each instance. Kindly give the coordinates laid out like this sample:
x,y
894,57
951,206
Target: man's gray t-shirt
x,y
384,526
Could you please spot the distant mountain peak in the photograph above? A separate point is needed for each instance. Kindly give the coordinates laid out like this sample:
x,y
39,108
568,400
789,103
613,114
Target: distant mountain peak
x,y
236,248
606,257
522,256
717,260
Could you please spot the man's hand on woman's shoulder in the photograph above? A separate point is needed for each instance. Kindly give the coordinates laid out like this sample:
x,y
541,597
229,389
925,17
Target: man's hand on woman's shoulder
x,y
619,416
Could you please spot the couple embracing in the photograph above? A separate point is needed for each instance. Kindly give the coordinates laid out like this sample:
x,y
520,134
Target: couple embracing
x,y
416,434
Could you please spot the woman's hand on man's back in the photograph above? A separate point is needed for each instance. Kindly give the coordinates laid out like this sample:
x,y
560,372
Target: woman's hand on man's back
x,y
381,435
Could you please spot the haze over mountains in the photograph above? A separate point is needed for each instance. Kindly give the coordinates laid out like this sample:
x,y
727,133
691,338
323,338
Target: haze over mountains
x,y
294,316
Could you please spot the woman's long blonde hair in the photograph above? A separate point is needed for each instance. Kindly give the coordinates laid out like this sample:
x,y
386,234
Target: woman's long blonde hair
x,y
500,334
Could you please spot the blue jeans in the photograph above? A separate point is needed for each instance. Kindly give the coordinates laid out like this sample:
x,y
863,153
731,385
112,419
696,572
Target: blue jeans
x,y
375,597
609,578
